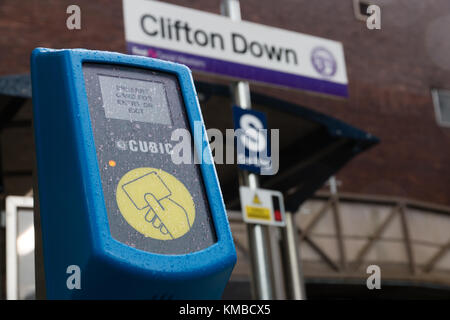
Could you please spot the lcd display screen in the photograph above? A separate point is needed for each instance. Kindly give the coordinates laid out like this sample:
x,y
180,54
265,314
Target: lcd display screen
x,y
134,100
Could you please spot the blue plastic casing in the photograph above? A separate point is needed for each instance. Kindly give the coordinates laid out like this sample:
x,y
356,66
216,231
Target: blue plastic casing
x,y
74,220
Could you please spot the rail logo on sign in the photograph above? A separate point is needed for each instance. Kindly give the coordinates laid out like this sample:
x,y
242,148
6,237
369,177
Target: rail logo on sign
x,y
155,203
323,62
262,206
212,43
252,142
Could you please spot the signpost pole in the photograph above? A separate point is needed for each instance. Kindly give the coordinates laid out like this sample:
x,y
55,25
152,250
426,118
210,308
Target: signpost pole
x,y
258,235
294,278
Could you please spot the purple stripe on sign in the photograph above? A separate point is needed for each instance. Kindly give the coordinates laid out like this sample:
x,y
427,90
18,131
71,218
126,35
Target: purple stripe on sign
x,y
238,70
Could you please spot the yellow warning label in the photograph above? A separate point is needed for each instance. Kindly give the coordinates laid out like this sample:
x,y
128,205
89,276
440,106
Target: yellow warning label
x,y
258,213
256,200
155,203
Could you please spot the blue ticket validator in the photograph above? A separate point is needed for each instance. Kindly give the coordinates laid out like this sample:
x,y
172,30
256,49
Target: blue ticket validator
x,y
121,217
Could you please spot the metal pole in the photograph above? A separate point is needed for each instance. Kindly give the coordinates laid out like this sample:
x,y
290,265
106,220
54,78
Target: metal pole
x,y
294,276
258,235
276,253
259,249
12,290
337,222
333,185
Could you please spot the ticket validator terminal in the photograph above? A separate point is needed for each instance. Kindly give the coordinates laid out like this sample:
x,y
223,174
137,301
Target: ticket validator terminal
x,y
113,204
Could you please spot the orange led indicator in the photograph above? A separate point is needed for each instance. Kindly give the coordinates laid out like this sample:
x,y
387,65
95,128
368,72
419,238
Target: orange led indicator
x,y
112,163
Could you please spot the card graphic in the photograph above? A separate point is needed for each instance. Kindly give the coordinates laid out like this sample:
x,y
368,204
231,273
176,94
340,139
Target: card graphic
x,y
155,203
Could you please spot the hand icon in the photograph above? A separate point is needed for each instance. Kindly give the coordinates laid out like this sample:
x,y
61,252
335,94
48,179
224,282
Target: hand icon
x,y
152,217
167,216
155,203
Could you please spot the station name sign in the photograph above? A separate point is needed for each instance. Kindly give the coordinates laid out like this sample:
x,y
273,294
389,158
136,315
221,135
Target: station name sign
x,y
215,44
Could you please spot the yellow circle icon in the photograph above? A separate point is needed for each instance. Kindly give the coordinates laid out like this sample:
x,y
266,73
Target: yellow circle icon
x,y
155,203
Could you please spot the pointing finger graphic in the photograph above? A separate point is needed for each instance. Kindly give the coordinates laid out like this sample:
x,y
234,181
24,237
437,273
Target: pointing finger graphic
x,y
155,203
151,215
168,215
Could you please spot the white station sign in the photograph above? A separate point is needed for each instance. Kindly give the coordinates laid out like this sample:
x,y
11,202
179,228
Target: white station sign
x,y
213,43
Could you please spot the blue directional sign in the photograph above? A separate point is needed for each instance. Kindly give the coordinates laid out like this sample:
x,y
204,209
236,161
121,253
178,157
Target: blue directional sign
x,y
252,140
120,219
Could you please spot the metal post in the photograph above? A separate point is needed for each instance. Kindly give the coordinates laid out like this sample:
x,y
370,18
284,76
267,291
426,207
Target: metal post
x,y
12,291
276,253
293,271
258,235
259,249
333,185
337,222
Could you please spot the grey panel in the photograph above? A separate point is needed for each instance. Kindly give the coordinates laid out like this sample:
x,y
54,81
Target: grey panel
x,y
143,140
